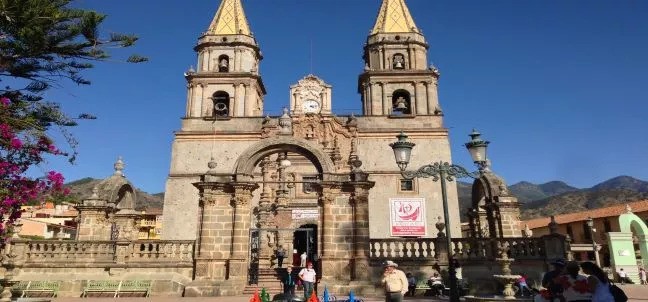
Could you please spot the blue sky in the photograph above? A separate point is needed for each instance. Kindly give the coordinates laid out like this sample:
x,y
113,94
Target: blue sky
x,y
558,87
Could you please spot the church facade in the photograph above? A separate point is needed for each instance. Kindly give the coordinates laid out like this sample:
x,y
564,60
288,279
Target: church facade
x,y
243,184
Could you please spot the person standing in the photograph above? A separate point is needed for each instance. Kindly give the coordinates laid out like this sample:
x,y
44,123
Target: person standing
x,y
308,275
281,254
551,280
598,282
303,259
642,275
289,283
411,284
394,282
623,277
575,287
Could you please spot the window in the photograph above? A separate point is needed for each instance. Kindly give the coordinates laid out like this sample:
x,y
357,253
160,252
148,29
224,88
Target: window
x,y
570,232
221,104
407,185
606,226
401,102
308,185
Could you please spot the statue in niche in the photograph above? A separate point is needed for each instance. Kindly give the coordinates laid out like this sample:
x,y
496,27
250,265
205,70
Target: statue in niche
x,y
223,64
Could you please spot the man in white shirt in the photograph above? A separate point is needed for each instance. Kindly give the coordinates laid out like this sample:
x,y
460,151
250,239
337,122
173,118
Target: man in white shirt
x,y
394,282
308,275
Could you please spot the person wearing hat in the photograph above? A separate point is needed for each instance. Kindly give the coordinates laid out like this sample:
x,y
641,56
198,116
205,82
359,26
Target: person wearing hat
x,y
551,279
308,275
394,282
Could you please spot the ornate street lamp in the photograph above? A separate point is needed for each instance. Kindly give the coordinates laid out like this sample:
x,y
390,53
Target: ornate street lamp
x,y
442,171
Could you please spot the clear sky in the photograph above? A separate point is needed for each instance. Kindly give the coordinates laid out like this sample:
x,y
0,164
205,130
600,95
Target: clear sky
x,y
558,87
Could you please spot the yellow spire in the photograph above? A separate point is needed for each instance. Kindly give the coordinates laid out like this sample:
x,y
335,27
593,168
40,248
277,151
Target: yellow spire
x,y
394,17
230,20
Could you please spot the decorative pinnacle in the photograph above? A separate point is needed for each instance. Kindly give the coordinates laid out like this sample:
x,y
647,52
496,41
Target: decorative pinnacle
x,y
119,167
628,208
95,193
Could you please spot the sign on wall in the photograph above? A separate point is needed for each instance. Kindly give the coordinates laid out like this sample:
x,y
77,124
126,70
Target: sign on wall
x,y
407,216
305,214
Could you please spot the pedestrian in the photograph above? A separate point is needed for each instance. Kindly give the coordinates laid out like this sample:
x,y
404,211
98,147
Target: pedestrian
x,y
551,280
289,283
303,258
281,254
642,275
575,285
598,282
524,287
623,277
411,284
394,282
308,275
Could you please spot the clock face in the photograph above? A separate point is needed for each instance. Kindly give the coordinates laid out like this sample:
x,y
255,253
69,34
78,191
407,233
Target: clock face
x,y
311,106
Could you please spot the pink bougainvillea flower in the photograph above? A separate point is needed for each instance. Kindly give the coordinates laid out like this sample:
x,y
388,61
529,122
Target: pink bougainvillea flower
x,y
5,101
16,143
5,131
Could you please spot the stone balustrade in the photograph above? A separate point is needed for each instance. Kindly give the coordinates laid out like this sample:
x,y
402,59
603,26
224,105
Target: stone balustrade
x,y
162,250
487,248
463,248
411,249
46,252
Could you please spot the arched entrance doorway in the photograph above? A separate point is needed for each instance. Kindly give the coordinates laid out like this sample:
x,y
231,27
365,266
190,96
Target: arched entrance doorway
x,y
305,242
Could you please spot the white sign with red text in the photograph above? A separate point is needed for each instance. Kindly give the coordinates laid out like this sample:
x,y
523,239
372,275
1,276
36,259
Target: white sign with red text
x,y
305,214
407,216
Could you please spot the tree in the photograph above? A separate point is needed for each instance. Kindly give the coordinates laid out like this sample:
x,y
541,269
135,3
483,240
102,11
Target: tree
x,y
43,43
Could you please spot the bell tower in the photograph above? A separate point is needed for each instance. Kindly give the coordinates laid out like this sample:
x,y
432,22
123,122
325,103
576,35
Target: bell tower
x,y
397,79
226,82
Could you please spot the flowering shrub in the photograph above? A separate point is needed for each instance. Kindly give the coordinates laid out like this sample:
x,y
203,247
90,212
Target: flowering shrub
x,y
20,148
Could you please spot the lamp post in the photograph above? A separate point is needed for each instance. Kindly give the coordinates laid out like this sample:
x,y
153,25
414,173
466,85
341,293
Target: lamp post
x,y
592,230
443,171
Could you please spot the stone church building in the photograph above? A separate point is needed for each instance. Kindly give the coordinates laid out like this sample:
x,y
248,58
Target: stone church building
x,y
242,183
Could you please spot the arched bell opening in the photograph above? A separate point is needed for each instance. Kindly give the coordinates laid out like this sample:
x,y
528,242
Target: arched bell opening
x,y
223,63
398,61
401,102
222,106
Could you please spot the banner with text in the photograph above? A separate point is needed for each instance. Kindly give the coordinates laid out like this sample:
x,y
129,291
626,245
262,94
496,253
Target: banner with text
x,y
407,216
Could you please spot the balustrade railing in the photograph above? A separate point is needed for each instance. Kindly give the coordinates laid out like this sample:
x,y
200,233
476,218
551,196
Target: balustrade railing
x,y
76,251
160,250
413,249
463,248
39,252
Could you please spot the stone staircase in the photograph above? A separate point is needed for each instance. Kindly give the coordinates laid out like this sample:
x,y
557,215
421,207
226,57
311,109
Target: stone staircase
x,y
270,279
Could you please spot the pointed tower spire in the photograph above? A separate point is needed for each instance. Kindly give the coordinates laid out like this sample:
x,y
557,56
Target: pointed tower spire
x,y
394,17
230,20
226,82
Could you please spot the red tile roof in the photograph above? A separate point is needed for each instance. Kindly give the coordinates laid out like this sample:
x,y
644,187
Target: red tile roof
x,y
612,211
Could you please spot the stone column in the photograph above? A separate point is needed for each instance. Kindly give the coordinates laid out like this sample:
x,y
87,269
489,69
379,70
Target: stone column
x,y
215,230
93,219
361,228
238,260
509,210
337,241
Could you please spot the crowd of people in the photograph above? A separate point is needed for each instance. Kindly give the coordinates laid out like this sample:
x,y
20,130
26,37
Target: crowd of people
x,y
566,283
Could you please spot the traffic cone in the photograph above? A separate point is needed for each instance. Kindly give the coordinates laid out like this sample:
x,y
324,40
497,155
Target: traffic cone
x,y
351,296
313,297
265,297
255,297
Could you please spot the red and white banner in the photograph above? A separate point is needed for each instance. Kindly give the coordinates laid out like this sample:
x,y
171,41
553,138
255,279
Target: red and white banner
x,y
407,216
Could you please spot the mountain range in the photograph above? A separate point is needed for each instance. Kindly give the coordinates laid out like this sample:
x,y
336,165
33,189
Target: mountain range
x,y
537,200
557,197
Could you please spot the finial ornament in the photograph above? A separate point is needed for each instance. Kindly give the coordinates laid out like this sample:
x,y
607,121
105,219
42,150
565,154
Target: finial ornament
x,y
628,208
95,193
119,167
285,122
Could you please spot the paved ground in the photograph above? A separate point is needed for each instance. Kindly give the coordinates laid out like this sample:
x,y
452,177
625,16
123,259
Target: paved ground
x,y
634,292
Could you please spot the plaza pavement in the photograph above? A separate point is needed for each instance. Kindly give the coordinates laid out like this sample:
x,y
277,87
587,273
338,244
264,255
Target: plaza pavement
x,y
634,292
